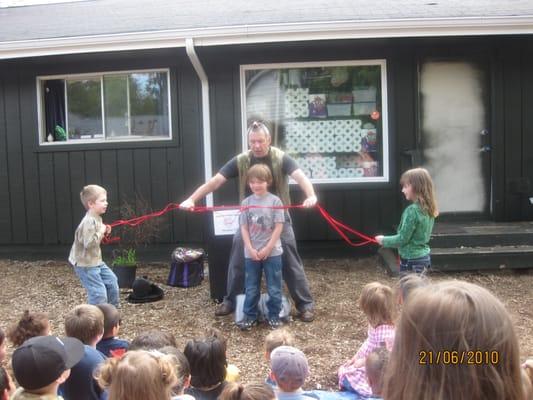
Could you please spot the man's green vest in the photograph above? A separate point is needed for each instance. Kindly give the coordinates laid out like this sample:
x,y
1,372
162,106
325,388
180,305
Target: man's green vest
x,y
281,180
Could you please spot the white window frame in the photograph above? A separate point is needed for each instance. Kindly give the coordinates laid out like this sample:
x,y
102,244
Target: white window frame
x,y
316,64
97,75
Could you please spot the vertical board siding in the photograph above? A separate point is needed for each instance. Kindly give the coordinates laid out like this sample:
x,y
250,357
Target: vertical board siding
x,y
527,132
48,198
5,203
28,121
15,161
62,190
77,181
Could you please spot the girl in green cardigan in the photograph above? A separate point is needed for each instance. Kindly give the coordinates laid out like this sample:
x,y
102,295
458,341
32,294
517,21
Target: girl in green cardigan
x,y
416,224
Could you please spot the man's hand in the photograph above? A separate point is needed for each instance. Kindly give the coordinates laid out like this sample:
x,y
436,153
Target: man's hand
x,y
379,239
187,204
254,254
310,201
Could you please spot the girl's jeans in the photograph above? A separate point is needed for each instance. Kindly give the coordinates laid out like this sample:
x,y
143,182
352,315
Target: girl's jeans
x,y
417,265
101,284
252,282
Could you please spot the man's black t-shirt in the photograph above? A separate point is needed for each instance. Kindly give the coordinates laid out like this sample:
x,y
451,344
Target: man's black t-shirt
x,y
288,166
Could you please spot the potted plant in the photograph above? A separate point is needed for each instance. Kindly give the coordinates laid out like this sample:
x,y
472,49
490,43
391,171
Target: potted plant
x,y
125,261
124,265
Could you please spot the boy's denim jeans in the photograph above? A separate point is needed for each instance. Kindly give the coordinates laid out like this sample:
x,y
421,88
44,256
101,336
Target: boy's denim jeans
x,y
417,265
252,282
101,284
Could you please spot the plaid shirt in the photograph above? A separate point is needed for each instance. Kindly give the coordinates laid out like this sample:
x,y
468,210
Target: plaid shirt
x,y
356,376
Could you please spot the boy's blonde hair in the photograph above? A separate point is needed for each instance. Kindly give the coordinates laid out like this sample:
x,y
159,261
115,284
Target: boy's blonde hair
x,y
260,172
377,302
423,188
470,331
276,338
90,193
85,322
138,375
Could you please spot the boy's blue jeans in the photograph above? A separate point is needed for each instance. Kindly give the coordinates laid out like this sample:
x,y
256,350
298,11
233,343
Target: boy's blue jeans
x,y
101,284
252,283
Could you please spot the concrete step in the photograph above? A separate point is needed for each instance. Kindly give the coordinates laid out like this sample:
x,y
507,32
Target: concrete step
x,y
453,259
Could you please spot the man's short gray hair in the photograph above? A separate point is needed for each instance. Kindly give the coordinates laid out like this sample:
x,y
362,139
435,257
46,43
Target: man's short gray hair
x,y
258,126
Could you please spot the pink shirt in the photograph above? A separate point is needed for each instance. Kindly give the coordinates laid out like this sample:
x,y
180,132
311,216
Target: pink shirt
x,y
356,376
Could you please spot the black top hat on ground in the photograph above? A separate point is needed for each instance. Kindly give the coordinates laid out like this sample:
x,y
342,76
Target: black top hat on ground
x,y
144,291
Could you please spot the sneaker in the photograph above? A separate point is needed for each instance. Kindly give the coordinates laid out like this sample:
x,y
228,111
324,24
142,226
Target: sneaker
x,y
274,323
246,324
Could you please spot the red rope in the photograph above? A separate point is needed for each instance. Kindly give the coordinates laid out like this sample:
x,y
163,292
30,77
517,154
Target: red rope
x,y
338,226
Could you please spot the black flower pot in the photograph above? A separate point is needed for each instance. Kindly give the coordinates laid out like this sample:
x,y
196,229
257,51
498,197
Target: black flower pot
x,y
125,275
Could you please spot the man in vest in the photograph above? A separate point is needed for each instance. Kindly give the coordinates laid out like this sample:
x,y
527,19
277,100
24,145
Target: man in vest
x,y
282,166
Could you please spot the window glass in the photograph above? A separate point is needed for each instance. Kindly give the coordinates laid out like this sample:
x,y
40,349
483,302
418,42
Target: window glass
x,y
84,109
330,117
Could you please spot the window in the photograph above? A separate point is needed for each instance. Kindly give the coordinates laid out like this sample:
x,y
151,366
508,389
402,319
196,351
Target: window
x,y
331,117
102,107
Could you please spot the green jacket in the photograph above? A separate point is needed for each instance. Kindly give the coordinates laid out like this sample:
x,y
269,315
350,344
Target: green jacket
x,y
413,233
282,180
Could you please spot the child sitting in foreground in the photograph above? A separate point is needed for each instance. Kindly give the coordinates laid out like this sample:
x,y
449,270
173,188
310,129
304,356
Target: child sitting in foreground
x,y
289,369
275,339
375,366
183,372
42,363
31,324
138,375
252,391
377,303
110,346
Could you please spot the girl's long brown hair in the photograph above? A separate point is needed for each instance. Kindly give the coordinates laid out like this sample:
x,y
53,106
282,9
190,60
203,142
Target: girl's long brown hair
x,y
470,332
423,188
251,391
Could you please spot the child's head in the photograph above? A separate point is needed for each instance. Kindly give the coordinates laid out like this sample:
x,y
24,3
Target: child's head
x,y
183,371
207,360
289,368
86,323
90,194
468,325
2,345
31,324
259,172
42,363
377,302
418,186
252,391
276,338
375,365
152,340
138,375
6,384
408,283
111,319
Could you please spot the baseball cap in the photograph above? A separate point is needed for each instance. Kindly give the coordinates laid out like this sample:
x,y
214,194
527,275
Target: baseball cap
x,y
289,366
42,359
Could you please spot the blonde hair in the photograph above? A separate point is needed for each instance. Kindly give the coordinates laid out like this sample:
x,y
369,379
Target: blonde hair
x,y
251,391
409,282
85,322
461,319
138,375
258,126
276,338
90,193
377,302
423,188
260,172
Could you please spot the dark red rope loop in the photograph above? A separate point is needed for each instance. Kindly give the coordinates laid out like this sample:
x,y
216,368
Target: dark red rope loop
x,y
338,226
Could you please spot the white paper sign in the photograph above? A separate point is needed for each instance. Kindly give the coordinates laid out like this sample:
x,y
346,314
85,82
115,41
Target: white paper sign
x,y
226,222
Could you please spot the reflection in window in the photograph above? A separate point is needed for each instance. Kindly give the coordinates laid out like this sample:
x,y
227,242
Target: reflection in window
x,y
329,118
108,106
84,109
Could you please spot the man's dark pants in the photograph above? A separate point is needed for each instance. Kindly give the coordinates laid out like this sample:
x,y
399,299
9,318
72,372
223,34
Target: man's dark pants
x,y
292,267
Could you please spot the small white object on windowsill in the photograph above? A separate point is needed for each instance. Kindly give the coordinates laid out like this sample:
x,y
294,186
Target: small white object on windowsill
x,y
50,138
